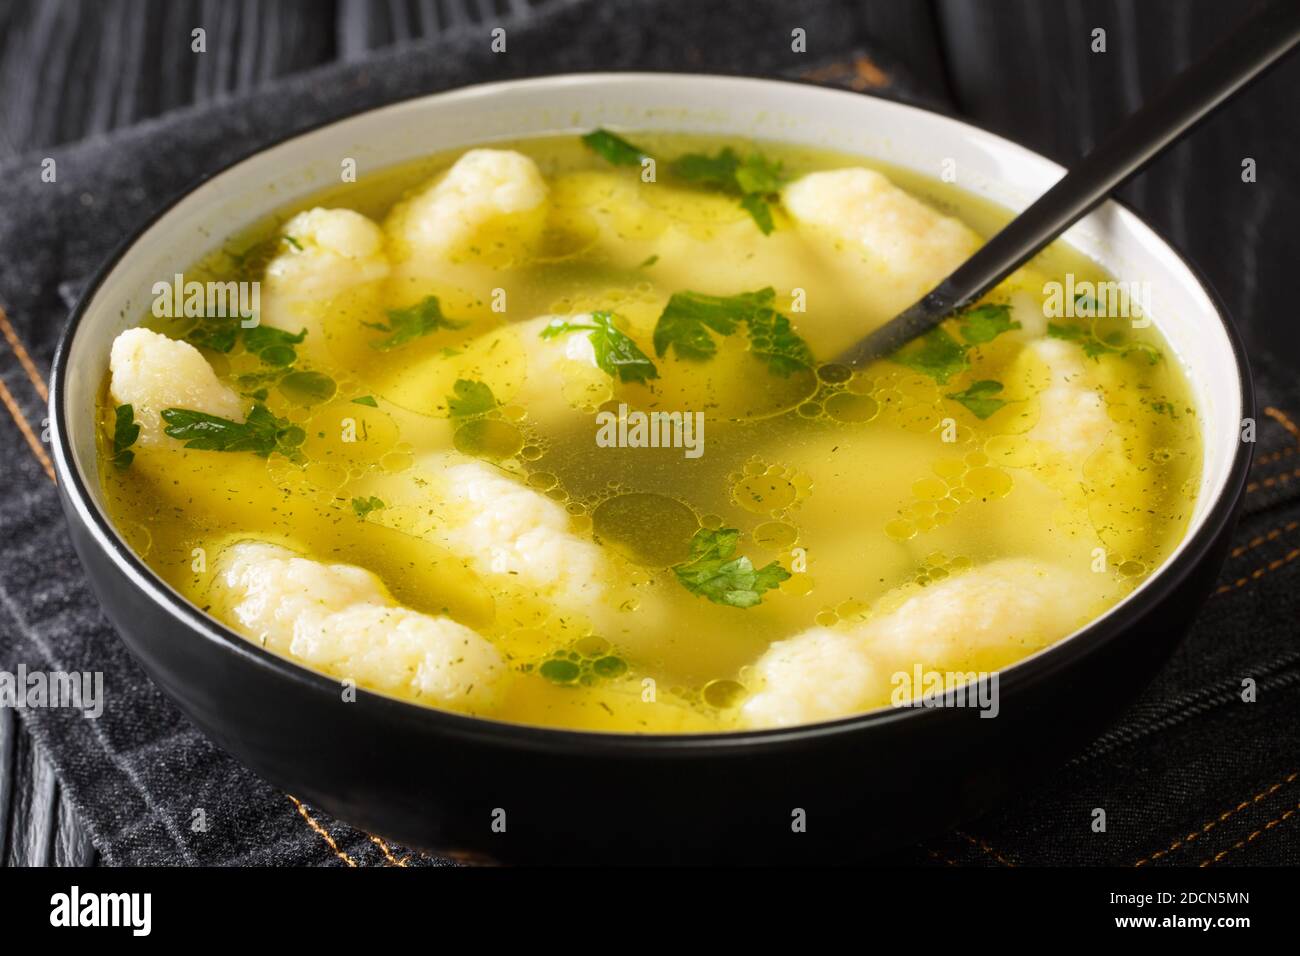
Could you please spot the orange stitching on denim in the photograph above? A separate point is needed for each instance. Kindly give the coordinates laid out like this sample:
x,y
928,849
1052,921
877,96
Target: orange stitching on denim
x,y
1281,479
1264,829
979,843
1264,538
1275,456
20,420
1259,572
388,854
24,359
1210,825
1284,420
324,834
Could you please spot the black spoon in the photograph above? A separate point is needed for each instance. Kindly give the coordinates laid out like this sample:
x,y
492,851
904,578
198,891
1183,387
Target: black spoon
x,y
1194,94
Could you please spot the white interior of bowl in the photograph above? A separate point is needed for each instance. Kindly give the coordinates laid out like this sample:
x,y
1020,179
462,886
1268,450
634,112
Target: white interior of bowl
x,y
986,165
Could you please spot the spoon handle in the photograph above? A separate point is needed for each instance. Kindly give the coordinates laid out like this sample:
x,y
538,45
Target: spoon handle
x,y
1198,91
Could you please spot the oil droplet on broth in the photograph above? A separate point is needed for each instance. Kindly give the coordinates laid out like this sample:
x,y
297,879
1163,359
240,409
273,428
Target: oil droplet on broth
x,y
765,493
723,693
850,408
488,438
648,529
776,535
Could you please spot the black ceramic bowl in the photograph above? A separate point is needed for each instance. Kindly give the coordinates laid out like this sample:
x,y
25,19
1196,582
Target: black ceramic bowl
x,y
446,783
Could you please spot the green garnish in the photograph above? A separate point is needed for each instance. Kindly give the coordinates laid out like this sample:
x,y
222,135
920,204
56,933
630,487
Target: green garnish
x,y
979,398
712,571
471,398
366,400
363,506
985,323
560,670
651,260
273,346
125,433
413,322
262,433
755,179
252,262
1094,347
614,149
216,332
308,388
936,354
689,318
616,353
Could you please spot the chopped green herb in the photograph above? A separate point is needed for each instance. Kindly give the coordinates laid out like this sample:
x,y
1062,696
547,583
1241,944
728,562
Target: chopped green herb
x,y
985,323
216,332
262,432
616,353
308,388
712,572
979,398
1094,347
755,179
125,433
936,354
614,149
772,337
252,261
273,346
689,318
412,322
560,670
649,262
363,506
366,400
470,398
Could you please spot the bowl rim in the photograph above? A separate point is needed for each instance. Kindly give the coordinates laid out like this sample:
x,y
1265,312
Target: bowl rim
x,y
79,500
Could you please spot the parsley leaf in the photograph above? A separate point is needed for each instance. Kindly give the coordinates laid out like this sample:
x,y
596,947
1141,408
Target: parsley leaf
x,y
616,353
772,337
363,506
125,433
936,354
252,262
689,317
712,572
368,400
985,323
412,322
614,149
273,346
262,432
216,332
471,398
979,398
755,179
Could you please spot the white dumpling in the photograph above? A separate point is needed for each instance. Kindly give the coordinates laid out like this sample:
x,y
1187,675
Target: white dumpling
x,y
1007,608
151,372
506,528
913,244
341,619
484,185
334,251
1073,417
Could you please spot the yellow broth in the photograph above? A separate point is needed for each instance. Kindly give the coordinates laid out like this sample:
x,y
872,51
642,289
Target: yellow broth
x,y
845,479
